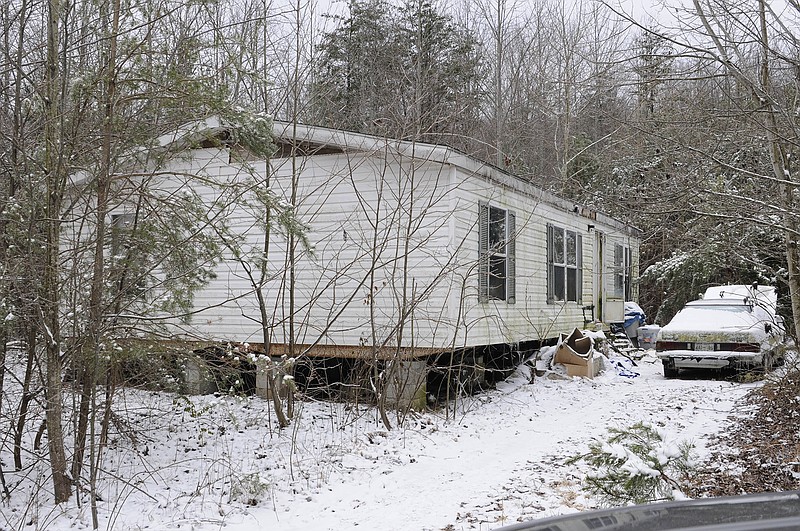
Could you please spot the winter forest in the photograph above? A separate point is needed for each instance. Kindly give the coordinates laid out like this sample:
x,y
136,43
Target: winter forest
x,y
684,123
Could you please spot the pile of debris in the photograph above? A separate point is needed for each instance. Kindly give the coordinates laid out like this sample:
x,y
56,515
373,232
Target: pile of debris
x,y
577,354
587,353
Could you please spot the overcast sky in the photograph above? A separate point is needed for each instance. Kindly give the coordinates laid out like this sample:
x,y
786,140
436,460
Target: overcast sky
x,y
643,11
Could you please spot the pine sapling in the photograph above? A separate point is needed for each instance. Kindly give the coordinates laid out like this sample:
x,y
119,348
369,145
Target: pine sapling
x,y
636,465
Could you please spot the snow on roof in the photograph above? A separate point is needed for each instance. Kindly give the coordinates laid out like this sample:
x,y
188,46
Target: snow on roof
x,y
190,131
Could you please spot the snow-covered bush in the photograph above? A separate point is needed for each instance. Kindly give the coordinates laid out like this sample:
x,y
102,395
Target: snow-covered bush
x,y
248,489
637,465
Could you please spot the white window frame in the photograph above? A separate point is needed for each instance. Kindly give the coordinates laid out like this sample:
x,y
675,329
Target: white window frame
x,y
566,261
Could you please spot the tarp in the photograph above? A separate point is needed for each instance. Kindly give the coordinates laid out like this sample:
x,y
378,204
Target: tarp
x,y
633,314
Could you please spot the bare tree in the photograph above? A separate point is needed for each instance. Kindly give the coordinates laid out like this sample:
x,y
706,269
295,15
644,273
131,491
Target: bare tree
x,y
731,70
56,178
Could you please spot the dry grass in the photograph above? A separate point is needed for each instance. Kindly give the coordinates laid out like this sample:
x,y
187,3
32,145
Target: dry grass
x,y
760,452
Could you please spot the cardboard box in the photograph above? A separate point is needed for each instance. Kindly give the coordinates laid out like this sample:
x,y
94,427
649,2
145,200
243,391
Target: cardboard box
x,y
580,344
575,352
588,370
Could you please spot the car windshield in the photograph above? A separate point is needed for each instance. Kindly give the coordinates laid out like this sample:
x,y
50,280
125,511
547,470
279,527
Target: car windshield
x,y
737,308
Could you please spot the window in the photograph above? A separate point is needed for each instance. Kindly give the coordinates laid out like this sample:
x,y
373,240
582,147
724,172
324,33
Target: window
x,y
127,269
497,250
564,265
622,272
121,227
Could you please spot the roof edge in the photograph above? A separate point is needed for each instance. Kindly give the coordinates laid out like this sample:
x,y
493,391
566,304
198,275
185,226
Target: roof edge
x,y
362,142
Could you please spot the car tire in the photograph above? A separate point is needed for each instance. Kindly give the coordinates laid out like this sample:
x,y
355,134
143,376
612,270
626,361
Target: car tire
x,y
670,371
779,356
769,362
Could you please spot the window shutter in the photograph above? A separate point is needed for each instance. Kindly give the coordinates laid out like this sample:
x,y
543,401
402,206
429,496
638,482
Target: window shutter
x,y
511,257
550,286
579,265
483,251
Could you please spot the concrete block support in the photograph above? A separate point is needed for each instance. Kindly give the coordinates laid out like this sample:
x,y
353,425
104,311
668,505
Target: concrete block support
x,y
407,387
262,377
263,383
198,379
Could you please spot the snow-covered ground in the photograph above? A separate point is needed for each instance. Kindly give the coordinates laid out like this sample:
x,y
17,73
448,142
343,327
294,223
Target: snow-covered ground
x,y
208,463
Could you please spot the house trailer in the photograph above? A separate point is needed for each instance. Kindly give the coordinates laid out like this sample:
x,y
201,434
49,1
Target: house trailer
x,y
345,248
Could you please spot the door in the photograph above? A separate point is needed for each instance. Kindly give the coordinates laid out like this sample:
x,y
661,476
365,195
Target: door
x,y
598,264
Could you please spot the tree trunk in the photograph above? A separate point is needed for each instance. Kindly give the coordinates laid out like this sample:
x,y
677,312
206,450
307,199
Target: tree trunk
x,y
3,342
274,376
50,312
780,167
761,92
793,262
10,191
90,352
27,396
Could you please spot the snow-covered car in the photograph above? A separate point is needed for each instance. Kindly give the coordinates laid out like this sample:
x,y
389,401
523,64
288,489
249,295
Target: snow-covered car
x,y
730,327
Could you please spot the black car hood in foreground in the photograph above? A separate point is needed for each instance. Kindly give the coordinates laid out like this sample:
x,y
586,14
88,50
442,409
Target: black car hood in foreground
x,y
755,512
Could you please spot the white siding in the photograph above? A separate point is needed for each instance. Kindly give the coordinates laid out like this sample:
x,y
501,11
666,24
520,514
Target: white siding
x,y
363,211
530,317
